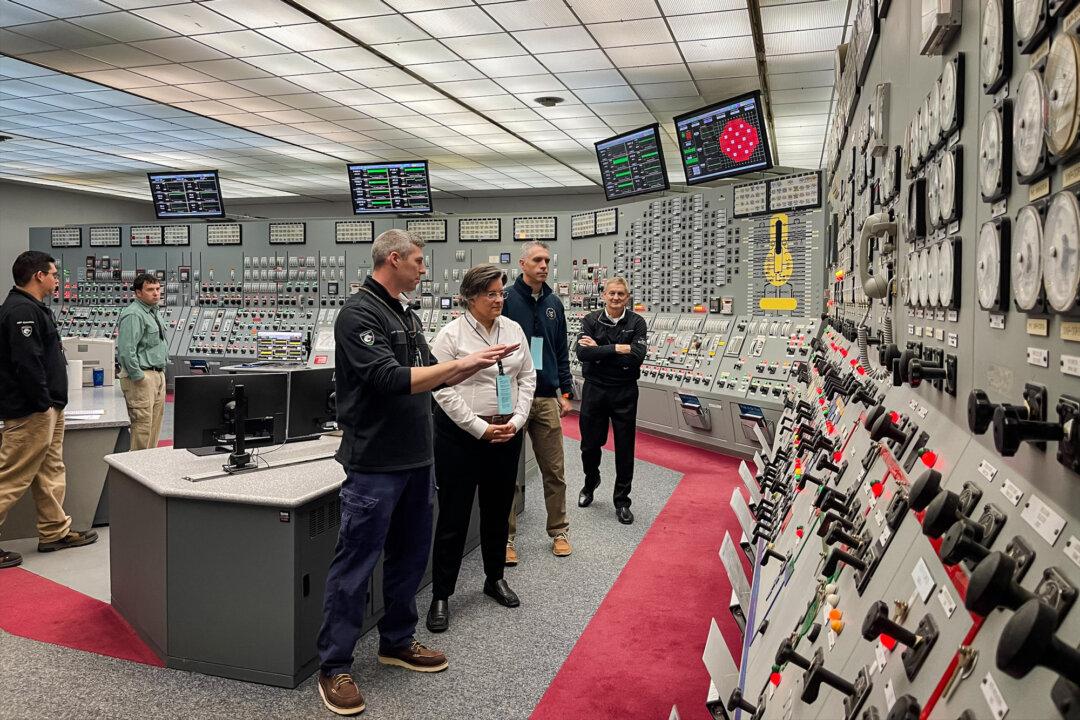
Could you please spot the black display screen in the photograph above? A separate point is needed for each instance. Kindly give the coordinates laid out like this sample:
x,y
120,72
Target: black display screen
x,y
632,163
195,194
723,140
399,187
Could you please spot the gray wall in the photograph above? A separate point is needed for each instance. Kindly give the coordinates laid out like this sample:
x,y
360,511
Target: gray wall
x,y
24,206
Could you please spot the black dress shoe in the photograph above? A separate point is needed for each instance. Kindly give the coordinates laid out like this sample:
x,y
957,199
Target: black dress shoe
x,y
625,516
438,616
9,558
502,593
584,498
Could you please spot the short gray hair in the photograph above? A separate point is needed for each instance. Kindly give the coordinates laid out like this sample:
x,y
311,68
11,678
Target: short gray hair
x,y
394,240
617,280
476,281
531,245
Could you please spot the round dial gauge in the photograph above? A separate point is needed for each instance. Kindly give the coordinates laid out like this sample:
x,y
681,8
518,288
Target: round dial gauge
x,y
924,277
1025,269
933,195
990,154
912,279
932,275
988,266
947,97
934,102
1061,252
991,56
1026,17
924,128
1062,118
1029,122
945,273
947,186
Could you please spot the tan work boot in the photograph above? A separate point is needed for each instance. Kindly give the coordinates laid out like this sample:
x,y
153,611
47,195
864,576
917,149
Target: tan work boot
x,y
560,546
511,555
340,694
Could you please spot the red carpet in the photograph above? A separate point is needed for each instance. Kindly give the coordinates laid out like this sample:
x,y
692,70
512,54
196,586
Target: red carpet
x,y
641,652
39,609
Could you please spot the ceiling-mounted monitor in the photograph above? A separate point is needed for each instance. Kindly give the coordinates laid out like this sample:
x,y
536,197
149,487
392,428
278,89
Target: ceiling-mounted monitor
x,y
632,163
390,187
190,194
723,140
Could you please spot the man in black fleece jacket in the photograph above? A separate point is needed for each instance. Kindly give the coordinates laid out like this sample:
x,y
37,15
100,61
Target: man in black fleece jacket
x,y
611,348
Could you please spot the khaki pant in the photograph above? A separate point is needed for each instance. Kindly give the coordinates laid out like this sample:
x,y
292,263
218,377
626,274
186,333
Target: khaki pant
x,y
32,456
545,432
146,406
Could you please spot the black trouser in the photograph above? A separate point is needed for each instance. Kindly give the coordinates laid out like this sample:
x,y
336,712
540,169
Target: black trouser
x,y
463,466
599,405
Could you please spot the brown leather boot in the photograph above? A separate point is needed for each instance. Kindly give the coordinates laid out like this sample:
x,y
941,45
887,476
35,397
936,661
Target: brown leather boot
x,y
72,539
340,694
415,657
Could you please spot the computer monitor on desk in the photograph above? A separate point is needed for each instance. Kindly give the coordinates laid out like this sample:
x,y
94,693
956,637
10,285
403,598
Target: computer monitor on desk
x,y
230,413
312,403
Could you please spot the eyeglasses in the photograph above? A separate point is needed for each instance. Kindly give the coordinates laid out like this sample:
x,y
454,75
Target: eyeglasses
x,y
493,296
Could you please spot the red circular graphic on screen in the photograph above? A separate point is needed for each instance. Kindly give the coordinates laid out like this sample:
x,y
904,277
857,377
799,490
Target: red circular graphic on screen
x,y
738,140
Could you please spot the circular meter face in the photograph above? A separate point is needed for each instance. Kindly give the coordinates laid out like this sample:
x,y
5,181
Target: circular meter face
x,y
924,279
1029,123
988,266
946,274
993,44
913,279
932,275
1025,266
1061,252
1026,17
1060,81
947,186
991,154
933,195
947,103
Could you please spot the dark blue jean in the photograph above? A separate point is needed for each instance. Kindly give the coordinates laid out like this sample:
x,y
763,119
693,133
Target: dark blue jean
x,y
389,512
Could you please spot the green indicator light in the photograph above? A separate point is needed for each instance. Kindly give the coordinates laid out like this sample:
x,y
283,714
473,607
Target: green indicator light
x,y
626,184
624,173
379,182
382,171
649,155
621,160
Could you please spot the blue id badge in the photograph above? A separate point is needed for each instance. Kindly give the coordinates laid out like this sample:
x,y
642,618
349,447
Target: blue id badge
x,y
536,346
502,390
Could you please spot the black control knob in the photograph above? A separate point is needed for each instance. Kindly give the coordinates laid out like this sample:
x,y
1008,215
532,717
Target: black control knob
x,y
980,411
1011,427
770,553
836,555
962,541
993,584
808,478
864,396
1028,640
738,702
818,675
925,488
884,428
762,531
906,707
877,622
786,654
941,513
836,534
887,354
919,370
872,415
831,517
825,463
829,499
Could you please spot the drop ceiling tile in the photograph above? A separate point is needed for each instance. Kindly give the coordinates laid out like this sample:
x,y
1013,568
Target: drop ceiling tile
x,y
690,7
577,60
242,43
801,109
307,37
170,94
180,49
496,103
718,69
380,77
666,107
257,14
270,86
416,53
804,16
69,102
532,84
485,46
632,32
20,44
410,6
217,90
581,123
801,62
556,40
206,107
563,110
531,14
732,47
656,74
120,55
598,11
364,124
592,78
663,54
789,43
520,126
287,64
337,112
720,89
414,122
456,22
289,117
605,94
389,110
18,14
666,90
226,69
188,19
382,29
410,93
435,106
604,109
62,34
306,101
327,81
172,74
447,71
509,66
789,81
711,25
122,26
119,79
817,94
351,58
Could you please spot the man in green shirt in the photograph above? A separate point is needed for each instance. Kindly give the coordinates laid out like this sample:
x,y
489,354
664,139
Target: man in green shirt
x,y
143,352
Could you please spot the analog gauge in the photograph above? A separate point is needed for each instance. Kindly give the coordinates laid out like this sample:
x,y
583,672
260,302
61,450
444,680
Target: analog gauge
x,y
932,276
1061,252
924,277
992,172
912,279
1029,19
947,90
1026,265
933,196
1029,121
948,181
1062,119
924,128
992,57
988,254
947,273
934,102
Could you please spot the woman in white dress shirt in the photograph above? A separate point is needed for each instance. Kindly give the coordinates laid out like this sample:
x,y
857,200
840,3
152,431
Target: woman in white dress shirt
x,y
478,435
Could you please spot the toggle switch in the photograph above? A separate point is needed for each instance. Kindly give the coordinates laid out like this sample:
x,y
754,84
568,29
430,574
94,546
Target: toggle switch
x,y
836,555
831,517
770,553
836,534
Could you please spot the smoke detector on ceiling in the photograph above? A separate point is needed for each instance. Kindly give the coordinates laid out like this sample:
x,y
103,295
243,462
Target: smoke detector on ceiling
x,y
548,100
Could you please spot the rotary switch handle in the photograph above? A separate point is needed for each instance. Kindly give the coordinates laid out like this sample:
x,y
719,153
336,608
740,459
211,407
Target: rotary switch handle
x,y
836,555
872,416
831,517
786,654
832,500
992,585
925,488
808,478
919,371
1028,640
906,707
877,622
1011,427
770,553
818,674
836,534
825,463
864,396
942,512
962,541
884,428
738,702
762,532
980,411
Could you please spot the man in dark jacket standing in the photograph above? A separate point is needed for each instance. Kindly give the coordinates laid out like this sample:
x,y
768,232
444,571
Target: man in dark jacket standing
x,y
33,394
531,303
611,348
384,378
